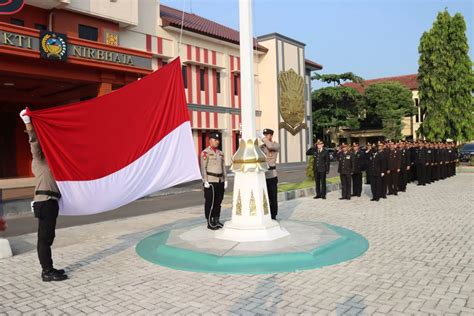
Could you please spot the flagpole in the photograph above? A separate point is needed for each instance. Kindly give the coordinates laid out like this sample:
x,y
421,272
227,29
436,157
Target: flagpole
x,y
251,219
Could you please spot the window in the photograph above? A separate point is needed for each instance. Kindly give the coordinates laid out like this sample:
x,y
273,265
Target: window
x,y
218,79
164,63
201,79
184,70
17,22
417,104
88,32
236,84
40,27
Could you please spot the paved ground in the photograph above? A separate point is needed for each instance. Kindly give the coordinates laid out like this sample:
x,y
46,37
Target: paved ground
x,y
420,262
181,196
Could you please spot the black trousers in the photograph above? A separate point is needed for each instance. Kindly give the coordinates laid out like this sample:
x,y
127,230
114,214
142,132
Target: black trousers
x,y
346,185
376,186
320,179
357,184
413,176
383,188
428,174
403,179
421,173
213,197
47,213
392,180
272,188
367,178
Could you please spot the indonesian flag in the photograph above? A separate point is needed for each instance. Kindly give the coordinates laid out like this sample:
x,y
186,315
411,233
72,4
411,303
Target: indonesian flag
x,y
114,149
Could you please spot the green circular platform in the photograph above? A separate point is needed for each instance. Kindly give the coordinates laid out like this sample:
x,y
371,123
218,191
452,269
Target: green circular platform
x,y
338,245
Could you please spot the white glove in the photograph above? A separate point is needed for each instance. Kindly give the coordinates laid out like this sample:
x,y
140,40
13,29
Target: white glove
x,y
207,185
260,134
226,184
26,119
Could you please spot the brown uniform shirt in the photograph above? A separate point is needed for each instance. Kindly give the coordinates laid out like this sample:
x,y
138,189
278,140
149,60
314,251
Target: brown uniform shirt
x,y
213,166
270,149
40,168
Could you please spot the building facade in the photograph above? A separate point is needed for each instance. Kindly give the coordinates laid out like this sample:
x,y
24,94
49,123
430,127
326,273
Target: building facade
x,y
112,43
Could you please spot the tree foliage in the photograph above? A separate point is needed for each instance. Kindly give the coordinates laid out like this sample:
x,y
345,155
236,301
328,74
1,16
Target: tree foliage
x,y
389,102
337,106
446,80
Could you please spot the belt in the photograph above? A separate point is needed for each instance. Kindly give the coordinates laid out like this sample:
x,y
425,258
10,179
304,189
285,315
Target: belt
x,y
48,193
218,175
272,168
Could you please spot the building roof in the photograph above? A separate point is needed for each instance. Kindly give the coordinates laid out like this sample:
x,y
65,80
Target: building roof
x,y
408,81
200,25
312,65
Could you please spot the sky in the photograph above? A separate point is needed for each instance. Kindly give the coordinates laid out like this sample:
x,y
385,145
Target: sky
x,y
371,38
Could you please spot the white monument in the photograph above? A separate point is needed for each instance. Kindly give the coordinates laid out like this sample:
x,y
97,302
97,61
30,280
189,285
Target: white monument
x,y
251,219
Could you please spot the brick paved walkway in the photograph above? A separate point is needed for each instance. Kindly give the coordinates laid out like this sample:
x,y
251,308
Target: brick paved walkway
x,y
420,262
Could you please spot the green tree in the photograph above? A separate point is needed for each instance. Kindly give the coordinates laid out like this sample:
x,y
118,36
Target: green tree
x,y
446,81
338,106
389,102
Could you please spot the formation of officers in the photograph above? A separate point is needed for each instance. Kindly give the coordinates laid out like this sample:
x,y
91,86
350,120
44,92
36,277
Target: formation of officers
x,y
389,166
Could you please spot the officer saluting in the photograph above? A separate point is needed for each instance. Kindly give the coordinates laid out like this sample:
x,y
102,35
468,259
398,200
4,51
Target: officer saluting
x,y
271,149
346,170
214,176
321,165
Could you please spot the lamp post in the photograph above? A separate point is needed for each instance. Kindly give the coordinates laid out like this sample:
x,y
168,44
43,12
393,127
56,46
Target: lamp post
x,y
251,219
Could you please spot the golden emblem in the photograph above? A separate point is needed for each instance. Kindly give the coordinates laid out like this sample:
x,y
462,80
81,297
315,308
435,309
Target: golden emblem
x,y
111,38
238,206
292,101
265,203
253,205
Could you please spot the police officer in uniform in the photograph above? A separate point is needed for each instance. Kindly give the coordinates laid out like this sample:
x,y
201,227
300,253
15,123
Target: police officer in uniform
x,y
214,177
357,176
271,149
375,170
405,166
321,164
420,160
45,205
346,170
393,172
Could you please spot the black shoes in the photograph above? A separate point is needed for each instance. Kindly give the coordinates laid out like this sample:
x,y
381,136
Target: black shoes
x,y
344,198
323,197
317,197
375,200
214,224
53,275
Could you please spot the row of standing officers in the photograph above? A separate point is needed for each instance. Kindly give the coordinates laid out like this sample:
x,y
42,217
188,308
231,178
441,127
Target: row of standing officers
x,y
389,166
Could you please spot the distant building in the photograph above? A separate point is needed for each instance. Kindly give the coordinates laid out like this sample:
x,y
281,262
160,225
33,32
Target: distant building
x,y
410,123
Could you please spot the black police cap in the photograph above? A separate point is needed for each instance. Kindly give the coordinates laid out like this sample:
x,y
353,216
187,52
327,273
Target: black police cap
x,y
215,136
267,131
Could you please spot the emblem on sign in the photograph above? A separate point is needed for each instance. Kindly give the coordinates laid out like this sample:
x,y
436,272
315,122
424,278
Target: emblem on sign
x,y
292,101
53,46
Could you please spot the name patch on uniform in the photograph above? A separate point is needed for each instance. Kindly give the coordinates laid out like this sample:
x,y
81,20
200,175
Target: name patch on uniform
x,y
348,157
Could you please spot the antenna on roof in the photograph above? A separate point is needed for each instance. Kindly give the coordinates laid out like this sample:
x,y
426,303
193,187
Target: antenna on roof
x,y
181,31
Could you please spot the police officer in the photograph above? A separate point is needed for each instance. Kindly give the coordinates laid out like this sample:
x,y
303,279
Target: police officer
x,y
357,176
393,172
214,176
420,160
271,149
346,170
45,205
405,167
384,151
321,164
429,162
375,170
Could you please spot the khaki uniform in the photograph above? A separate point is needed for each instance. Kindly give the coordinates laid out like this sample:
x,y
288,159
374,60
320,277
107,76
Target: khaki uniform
x,y
270,149
40,168
213,166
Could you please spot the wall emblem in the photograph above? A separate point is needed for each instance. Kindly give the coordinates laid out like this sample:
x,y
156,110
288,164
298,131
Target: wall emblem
x,y
292,101
53,46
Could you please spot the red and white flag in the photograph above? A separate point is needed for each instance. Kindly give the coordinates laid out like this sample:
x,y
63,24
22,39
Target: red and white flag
x,y
111,150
